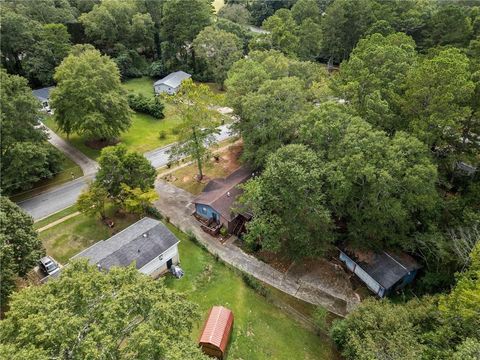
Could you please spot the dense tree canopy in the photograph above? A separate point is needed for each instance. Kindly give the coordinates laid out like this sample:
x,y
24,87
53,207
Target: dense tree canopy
x,y
119,314
384,188
51,46
289,204
26,156
181,22
118,22
89,99
219,49
373,79
20,248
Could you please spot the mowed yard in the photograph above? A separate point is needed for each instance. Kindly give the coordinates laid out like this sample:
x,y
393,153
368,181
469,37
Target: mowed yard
x,y
261,330
144,134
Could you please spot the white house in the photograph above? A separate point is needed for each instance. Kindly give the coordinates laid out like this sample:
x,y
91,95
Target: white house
x,y
170,83
43,95
148,243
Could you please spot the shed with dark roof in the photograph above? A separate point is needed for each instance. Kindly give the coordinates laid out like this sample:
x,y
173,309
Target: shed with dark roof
x,y
216,332
218,200
382,272
148,243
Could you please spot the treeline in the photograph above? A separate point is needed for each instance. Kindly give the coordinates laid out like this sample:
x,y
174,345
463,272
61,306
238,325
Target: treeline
x,y
328,30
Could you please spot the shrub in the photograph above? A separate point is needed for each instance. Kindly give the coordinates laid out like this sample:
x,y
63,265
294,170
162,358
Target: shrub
x,y
150,106
153,212
320,318
156,69
162,135
175,131
254,284
223,231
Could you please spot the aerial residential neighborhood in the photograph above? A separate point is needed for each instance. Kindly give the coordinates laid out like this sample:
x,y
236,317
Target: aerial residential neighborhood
x,y
240,179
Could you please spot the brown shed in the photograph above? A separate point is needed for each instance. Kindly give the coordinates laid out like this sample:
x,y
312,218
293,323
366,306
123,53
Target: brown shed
x,y
216,332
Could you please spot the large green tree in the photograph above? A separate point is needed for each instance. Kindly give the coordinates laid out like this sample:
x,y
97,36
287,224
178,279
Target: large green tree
x,y
383,188
26,156
289,204
89,98
344,23
199,124
437,102
119,166
373,79
268,120
181,22
90,314
20,248
219,50
46,11
119,22
51,46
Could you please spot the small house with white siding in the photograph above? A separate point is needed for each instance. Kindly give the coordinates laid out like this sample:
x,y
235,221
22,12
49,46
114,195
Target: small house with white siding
x,y
170,84
148,243
382,272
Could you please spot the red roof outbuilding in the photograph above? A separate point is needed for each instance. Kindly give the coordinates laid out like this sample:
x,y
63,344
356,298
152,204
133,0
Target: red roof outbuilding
x,y
216,332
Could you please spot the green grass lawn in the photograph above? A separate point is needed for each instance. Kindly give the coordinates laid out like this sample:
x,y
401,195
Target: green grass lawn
x,y
144,134
73,235
261,330
69,168
58,215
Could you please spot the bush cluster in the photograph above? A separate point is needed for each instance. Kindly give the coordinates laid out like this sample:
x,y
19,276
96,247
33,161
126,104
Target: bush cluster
x,y
150,106
254,284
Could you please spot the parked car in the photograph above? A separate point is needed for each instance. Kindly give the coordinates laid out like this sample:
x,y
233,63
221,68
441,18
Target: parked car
x,y
48,265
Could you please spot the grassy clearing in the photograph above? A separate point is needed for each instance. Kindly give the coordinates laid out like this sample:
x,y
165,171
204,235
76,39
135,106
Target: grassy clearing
x,y
261,330
70,171
144,134
72,236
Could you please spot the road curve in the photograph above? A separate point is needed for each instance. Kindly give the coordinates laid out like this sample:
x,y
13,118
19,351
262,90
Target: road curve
x,y
65,195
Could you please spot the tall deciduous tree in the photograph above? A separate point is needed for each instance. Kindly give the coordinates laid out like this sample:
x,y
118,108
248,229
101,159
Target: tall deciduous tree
x,y
219,50
20,247
199,123
438,101
46,54
89,98
344,23
118,166
181,22
119,22
373,79
26,156
137,201
384,188
267,117
289,204
119,314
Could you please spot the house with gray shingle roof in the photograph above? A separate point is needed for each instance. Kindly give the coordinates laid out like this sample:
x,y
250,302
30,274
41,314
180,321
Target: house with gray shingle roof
x,y
148,243
43,95
170,83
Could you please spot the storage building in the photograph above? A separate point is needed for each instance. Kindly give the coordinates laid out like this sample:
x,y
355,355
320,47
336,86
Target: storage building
x,y
216,332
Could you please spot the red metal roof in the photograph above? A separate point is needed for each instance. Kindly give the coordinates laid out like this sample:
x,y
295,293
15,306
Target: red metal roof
x,y
217,328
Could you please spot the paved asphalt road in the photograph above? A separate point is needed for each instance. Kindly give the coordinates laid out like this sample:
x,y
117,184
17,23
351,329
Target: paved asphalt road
x,y
66,195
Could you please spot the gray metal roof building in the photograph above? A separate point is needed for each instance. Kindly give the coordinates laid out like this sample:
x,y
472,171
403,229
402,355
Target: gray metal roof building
x,y
43,94
174,79
142,242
